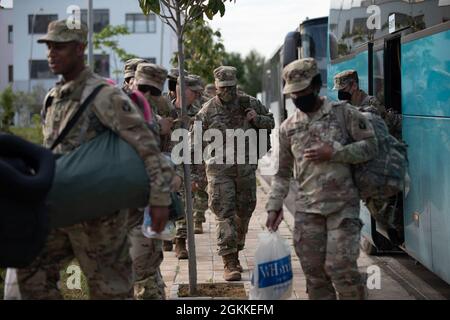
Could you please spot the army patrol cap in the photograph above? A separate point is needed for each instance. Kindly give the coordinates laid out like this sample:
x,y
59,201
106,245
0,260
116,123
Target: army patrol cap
x,y
150,74
130,67
344,78
193,82
299,74
58,31
225,76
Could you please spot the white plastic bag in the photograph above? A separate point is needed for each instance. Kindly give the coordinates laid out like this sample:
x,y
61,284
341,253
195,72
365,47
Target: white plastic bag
x,y
167,234
11,285
272,275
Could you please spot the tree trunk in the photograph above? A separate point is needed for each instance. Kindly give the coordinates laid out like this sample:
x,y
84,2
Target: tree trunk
x,y
186,167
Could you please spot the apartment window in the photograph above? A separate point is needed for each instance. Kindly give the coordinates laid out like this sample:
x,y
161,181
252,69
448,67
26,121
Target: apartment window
x,y
39,70
10,74
10,34
38,23
140,23
101,18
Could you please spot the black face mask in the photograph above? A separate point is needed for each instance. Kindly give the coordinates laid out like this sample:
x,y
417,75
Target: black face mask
x,y
306,103
344,95
172,85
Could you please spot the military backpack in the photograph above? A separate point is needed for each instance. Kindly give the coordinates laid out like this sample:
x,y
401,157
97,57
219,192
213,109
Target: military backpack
x,y
384,175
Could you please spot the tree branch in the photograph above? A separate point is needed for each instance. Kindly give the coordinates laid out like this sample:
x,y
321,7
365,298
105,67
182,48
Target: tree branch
x,y
168,4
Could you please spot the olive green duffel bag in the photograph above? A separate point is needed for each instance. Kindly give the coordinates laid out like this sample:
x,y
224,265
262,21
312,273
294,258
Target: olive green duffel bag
x,y
98,178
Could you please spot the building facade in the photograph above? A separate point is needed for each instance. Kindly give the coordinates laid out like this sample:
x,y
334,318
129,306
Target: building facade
x,y
148,38
6,48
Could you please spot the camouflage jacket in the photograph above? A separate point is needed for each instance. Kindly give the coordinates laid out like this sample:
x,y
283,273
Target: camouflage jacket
x,y
111,109
219,116
323,187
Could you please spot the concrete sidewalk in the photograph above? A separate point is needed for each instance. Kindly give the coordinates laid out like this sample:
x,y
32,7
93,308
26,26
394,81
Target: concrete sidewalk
x,y
210,266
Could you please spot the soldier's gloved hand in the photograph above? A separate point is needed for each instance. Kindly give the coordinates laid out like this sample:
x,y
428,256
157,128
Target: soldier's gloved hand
x,y
160,216
322,153
274,219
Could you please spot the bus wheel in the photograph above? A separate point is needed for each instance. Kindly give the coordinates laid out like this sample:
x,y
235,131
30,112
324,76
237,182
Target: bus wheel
x,y
368,247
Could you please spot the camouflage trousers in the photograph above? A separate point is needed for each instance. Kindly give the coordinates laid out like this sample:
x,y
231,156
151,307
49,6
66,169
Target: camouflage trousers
x,y
102,249
233,200
199,206
147,256
328,248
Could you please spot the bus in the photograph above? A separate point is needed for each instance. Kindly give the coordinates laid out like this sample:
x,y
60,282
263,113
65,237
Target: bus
x,y
400,49
309,40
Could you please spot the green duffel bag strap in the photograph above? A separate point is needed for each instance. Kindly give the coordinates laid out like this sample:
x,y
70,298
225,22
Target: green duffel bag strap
x,y
76,116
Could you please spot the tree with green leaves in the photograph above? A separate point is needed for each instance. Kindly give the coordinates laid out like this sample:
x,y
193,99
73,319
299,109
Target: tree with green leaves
x,y
254,69
249,70
107,39
178,15
7,109
203,50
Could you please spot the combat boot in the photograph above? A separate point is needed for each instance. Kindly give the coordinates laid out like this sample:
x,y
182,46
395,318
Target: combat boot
x,y
168,245
180,248
198,228
230,271
238,263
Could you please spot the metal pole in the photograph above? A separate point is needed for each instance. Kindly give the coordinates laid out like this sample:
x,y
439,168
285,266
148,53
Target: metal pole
x,y
90,17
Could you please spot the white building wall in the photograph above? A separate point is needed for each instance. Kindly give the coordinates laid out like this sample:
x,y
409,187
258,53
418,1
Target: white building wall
x,y
26,47
6,49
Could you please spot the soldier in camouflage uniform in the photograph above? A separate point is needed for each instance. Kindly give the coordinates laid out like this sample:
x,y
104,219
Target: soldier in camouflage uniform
x,y
100,245
193,92
199,192
147,253
231,186
347,84
327,224
129,71
388,212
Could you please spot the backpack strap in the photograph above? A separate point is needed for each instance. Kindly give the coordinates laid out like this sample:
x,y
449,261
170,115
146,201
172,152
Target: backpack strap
x,y
76,116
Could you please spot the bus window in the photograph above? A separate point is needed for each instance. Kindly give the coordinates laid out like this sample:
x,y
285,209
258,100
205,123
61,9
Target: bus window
x,y
378,75
314,43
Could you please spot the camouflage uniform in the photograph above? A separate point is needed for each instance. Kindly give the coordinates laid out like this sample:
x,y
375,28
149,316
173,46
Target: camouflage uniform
x,y
193,83
146,253
231,187
100,245
369,103
327,224
388,211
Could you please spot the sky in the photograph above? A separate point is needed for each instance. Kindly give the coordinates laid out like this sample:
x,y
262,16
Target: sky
x,y
263,24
